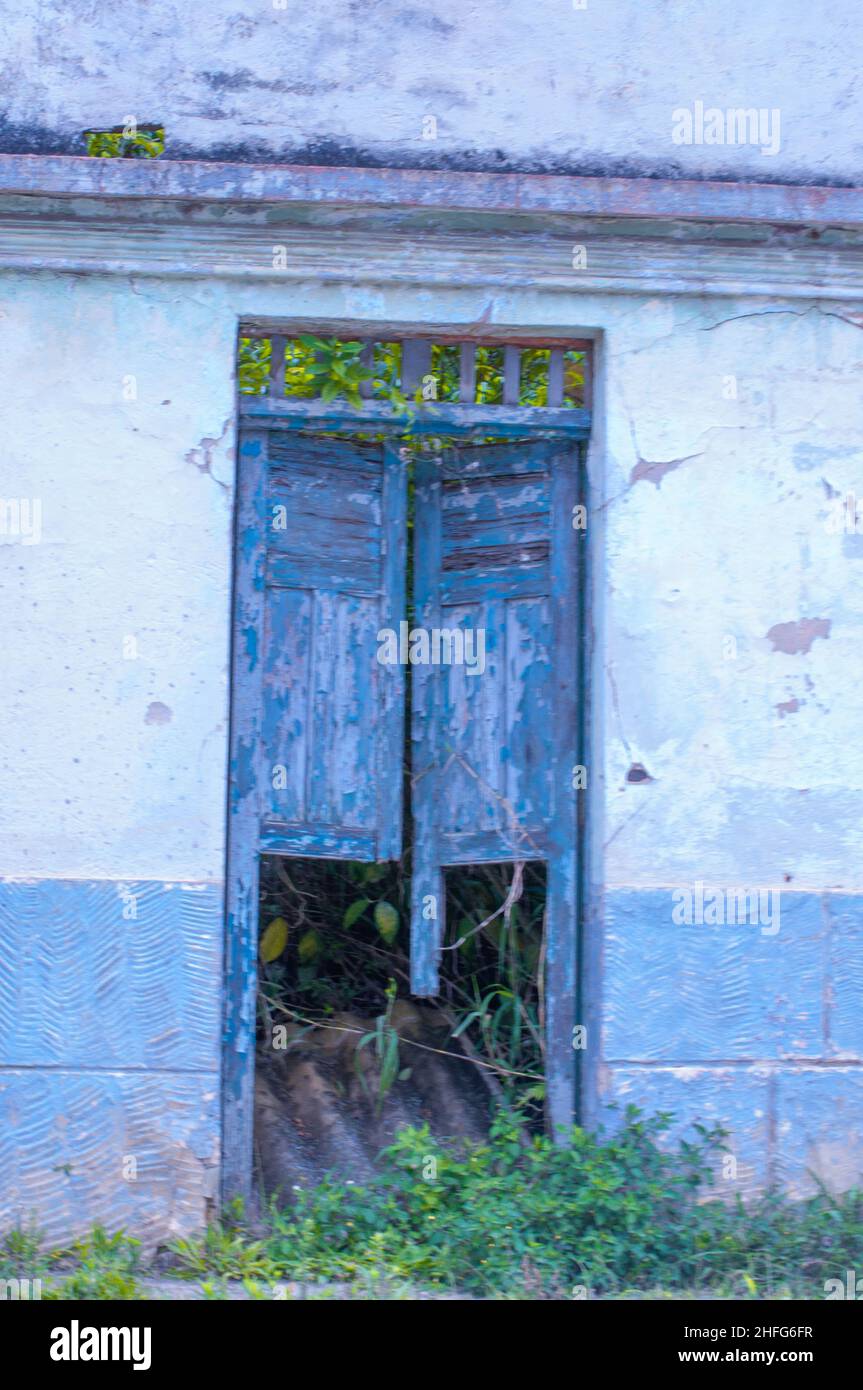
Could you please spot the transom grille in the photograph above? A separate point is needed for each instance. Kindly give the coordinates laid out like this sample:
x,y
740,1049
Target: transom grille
x,y
403,372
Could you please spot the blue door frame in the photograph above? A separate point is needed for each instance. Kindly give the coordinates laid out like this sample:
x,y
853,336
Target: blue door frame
x,y
554,446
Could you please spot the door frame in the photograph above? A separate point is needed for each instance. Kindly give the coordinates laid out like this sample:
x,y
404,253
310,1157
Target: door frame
x,y
258,416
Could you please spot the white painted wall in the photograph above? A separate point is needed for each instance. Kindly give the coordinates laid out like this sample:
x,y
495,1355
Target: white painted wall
x,y
115,767
725,427
732,541
536,86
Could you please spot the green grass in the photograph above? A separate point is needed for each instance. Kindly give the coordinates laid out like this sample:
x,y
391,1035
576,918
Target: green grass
x,y
513,1217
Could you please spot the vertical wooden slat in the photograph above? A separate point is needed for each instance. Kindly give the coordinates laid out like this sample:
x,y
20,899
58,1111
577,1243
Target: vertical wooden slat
x,y
562,887
511,375
587,370
392,697
240,985
467,374
416,362
555,377
367,359
427,879
277,365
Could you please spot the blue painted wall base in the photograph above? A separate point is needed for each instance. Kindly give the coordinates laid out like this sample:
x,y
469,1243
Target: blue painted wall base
x,y
756,1029
110,1047
109,1055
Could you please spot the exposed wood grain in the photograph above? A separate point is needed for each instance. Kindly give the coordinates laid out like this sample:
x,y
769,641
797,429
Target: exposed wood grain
x,y
436,418
391,679
243,817
428,893
493,752
496,567
563,886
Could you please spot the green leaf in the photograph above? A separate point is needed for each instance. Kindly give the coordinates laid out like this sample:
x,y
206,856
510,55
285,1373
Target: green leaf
x,y
355,911
387,921
274,940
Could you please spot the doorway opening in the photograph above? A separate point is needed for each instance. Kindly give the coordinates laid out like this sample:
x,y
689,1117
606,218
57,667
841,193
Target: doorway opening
x,y
405,683
345,1056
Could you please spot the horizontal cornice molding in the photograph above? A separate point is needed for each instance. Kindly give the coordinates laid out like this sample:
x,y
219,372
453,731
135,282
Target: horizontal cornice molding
x,y
200,180
610,261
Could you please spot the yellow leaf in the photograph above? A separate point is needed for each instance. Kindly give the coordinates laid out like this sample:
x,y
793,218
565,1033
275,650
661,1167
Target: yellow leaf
x,y
274,940
307,947
387,921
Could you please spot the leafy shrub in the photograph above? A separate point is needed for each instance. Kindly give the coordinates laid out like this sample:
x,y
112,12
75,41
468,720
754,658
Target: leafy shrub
x,y
512,1217
517,1215
106,1268
126,142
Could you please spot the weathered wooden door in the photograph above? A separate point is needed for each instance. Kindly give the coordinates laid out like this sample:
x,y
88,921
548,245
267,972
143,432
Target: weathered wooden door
x,y
495,710
318,719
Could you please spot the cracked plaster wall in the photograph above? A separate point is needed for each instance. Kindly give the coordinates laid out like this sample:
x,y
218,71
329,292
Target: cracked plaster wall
x,y
534,87
727,619
729,612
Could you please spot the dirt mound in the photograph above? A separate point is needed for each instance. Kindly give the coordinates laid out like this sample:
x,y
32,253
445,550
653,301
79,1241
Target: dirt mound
x,y
318,1107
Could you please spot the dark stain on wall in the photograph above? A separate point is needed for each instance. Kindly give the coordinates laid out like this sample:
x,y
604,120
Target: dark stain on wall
x,y
32,138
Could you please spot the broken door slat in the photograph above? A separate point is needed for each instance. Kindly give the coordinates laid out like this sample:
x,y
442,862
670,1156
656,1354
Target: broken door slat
x,y
317,841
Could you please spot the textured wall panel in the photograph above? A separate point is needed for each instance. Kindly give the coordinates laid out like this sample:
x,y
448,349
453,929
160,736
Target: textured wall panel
x,y
845,969
137,1152
736,1098
710,993
679,1001
82,986
819,1129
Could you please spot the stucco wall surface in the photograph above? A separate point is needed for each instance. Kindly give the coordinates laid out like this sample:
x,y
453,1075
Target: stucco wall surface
x,y
564,85
726,613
